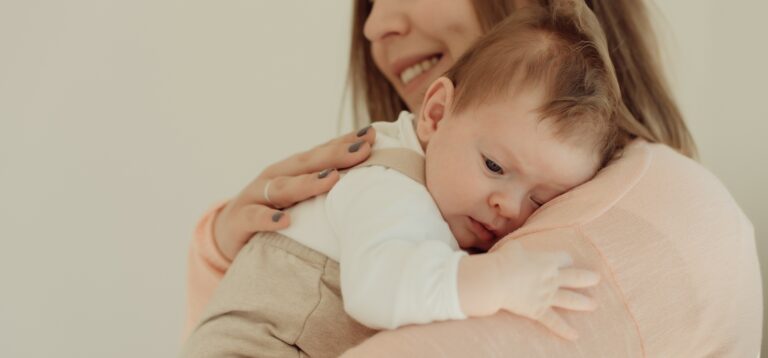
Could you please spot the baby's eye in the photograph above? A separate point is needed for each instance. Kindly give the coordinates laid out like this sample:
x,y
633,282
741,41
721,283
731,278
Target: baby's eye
x,y
492,166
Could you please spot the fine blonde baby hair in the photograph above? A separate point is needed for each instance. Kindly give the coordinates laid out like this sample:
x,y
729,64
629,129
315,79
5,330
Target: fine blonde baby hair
x,y
562,48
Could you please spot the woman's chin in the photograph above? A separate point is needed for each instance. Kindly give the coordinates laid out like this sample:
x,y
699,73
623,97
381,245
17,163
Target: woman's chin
x,y
414,100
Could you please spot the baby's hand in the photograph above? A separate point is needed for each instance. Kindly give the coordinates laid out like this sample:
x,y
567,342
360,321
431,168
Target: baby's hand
x,y
533,282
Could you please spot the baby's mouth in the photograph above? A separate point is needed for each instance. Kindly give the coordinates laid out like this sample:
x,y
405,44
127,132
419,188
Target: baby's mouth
x,y
481,231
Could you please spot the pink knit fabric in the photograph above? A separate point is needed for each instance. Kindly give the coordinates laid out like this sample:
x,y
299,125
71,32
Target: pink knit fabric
x,y
677,257
206,266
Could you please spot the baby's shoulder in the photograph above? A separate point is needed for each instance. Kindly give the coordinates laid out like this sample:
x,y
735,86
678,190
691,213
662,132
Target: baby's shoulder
x,y
398,134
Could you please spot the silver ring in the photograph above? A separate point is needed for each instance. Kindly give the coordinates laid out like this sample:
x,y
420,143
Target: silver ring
x,y
266,192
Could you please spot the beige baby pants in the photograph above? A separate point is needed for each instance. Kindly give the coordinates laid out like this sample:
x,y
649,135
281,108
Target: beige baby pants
x,y
282,299
278,299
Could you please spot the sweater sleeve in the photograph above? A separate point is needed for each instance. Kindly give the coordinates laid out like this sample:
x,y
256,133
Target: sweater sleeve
x,y
205,267
398,258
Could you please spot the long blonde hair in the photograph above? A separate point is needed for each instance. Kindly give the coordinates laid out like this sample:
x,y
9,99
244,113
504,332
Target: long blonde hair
x,y
633,51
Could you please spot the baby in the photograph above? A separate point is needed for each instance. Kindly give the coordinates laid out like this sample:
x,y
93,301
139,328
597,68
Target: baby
x,y
525,115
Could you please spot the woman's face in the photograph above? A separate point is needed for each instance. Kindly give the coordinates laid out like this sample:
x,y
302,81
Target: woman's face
x,y
413,42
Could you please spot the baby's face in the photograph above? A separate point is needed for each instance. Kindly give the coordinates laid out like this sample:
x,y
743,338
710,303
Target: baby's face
x,y
489,168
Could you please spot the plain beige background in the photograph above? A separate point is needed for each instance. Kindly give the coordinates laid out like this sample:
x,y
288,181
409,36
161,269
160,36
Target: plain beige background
x,y
122,121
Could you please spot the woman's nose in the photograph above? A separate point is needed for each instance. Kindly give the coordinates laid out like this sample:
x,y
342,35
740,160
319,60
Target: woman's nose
x,y
386,19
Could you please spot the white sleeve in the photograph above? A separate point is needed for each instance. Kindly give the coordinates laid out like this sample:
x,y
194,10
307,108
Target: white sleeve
x,y
398,258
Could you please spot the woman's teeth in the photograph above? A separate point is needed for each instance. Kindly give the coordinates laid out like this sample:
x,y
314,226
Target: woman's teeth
x,y
415,70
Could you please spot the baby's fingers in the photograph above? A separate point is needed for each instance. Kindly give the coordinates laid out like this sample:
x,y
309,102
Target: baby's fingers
x,y
577,278
560,258
573,301
557,325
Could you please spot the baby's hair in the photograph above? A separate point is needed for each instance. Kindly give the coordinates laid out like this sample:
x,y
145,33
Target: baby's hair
x,y
561,48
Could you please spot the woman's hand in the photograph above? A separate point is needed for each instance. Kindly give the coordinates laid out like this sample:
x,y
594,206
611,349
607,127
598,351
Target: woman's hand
x,y
288,182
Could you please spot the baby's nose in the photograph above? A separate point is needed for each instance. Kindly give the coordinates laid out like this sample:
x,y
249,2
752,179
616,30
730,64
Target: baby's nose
x,y
506,205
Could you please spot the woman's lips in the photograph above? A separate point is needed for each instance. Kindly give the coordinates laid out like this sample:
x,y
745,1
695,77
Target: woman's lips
x,y
417,82
418,68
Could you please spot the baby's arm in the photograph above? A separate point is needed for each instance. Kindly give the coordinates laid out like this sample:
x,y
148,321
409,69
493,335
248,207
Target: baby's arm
x,y
400,263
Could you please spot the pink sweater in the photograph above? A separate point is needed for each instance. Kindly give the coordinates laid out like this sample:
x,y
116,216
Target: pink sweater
x,y
677,257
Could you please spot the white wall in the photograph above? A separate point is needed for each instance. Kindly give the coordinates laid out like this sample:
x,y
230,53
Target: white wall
x,y
121,121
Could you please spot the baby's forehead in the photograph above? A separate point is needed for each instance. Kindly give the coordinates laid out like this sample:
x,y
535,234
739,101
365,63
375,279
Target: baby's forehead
x,y
533,141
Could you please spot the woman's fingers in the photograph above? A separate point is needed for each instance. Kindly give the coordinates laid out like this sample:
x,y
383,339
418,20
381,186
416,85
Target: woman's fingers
x,y
342,152
236,223
285,183
286,191
258,217
573,301
251,212
256,208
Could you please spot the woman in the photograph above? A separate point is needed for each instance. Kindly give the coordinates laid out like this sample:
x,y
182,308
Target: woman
x,y
394,46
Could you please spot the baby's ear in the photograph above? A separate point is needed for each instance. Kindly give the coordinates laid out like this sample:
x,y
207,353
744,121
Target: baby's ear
x,y
436,106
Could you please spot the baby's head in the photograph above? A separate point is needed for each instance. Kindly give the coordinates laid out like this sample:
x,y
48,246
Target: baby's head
x,y
525,115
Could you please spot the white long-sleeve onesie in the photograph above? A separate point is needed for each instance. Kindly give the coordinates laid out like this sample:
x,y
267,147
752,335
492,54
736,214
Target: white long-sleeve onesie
x,y
398,258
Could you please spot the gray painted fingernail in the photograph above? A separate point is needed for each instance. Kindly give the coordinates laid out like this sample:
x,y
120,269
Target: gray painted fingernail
x,y
324,173
362,131
355,147
277,216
